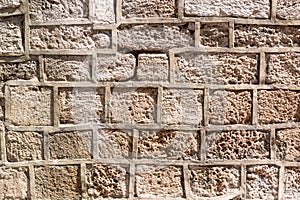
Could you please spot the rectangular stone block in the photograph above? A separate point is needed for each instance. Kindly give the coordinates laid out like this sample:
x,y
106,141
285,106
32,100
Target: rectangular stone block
x,y
2,102
158,181
214,34
70,145
182,106
230,107
70,37
13,71
228,8
283,69
278,106
133,105
288,9
8,4
24,146
291,183
67,68
237,144
288,144
216,68
81,105
105,11
107,181
57,182
266,36
31,105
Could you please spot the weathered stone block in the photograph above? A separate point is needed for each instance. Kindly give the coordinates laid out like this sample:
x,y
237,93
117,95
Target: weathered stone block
x,y
105,11
30,105
262,182
291,183
8,4
24,146
57,182
214,34
70,145
183,106
288,9
228,8
13,71
278,106
105,181
288,144
158,181
2,102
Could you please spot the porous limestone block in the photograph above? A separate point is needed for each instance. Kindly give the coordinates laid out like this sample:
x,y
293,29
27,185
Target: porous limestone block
x,y
24,146
70,145
57,182
278,106
158,181
2,102
105,11
182,106
283,69
291,183
230,107
288,144
13,71
107,181
228,8
220,68
67,68
288,9
30,105
237,144
262,182
81,105
214,34
133,105
8,4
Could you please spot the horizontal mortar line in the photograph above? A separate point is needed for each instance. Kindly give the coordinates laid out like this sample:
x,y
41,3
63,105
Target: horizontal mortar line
x,y
77,21
61,52
152,20
16,12
104,26
158,198
14,59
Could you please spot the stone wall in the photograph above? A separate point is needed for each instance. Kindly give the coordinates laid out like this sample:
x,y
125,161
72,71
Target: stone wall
x,y
150,99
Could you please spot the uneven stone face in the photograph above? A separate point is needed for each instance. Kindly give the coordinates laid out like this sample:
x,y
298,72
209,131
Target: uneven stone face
x,y
148,9
182,106
230,107
104,11
2,102
288,9
278,106
283,69
68,37
14,183
57,182
133,105
24,146
114,143
288,144
81,105
13,71
30,106
118,67
266,36
70,145
214,35
59,9
107,181
227,8
262,182
67,68
242,144
5,4
221,68
291,183
158,181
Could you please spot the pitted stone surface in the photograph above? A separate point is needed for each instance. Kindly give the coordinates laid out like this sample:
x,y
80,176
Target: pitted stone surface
x,y
288,9
288,144
214,34
291,183
104,11
4,4
13,71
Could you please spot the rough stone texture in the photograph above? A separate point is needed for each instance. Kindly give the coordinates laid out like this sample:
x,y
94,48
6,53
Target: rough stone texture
x,y
182,106
57,182
288,144
59,9
283,69
13,71
67,68
214,181
291,183
230,107
2,102
214,34
266,36
118,67
167,144
158,181
5,4
104,11
221,68
241,144
70,145
105,181
14,183
278,106
288,9
262,182
24,146
30,106
133,105
68,37
228,8
154,37
148,8
81,105
114,143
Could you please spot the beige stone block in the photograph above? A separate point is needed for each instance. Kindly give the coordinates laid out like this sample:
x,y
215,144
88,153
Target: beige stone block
x,y
214,34
291,183
14,71
5,4
288,144
288,9
105,11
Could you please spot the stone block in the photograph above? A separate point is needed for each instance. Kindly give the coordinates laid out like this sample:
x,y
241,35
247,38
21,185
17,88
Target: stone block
x,y
158,181
14,71
291,183
214,34
105,11
288,144
5,4
288,9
